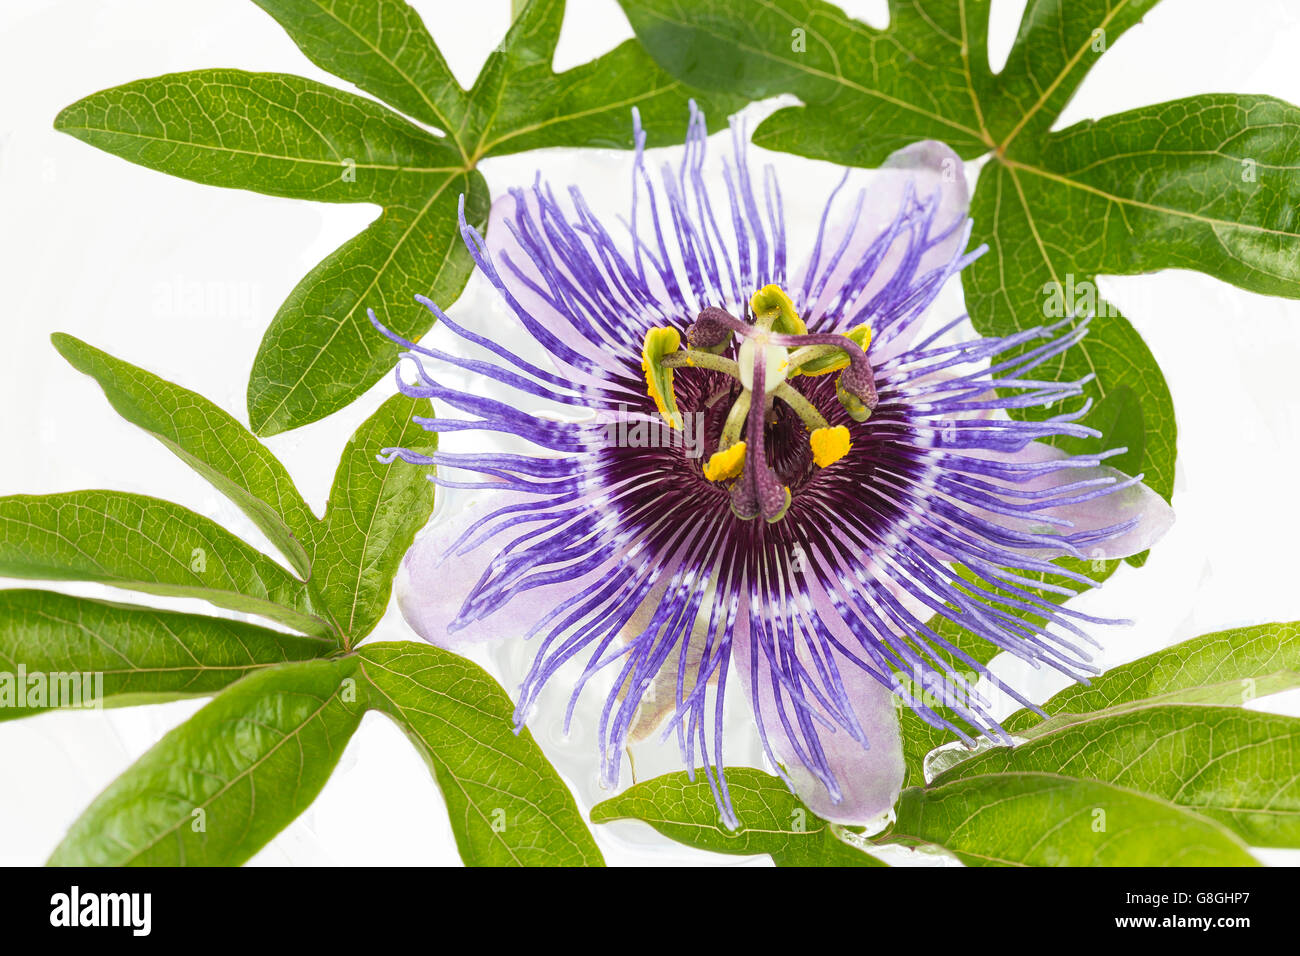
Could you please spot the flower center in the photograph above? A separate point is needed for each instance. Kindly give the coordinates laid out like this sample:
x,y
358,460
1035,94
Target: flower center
x,y
774,347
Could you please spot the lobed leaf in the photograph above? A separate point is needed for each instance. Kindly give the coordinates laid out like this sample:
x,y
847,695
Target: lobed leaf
x,y
1208,182
519,104
321,351
1032,276
874,91
381,46
289,136
1055,47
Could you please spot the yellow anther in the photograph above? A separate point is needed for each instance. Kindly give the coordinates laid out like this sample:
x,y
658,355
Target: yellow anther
x,y
829,445
726,464
659,380
772,304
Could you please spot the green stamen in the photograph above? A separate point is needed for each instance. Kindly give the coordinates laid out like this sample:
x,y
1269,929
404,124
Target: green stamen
x,y
735,423
806,410
693,358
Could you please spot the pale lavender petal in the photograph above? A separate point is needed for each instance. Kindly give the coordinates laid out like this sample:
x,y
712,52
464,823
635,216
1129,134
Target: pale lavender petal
x,y
869,777
1096,498
435,578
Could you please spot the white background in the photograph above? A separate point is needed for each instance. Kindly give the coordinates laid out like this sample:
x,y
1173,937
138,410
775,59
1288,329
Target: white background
x,y
182,279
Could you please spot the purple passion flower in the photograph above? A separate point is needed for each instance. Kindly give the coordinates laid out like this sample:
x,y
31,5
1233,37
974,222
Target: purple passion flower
x,y
759,476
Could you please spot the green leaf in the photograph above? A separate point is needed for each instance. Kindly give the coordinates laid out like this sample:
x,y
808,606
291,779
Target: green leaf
x,y
321,351
270,132
1226,667
875,91
772,819
508,806
1043,819
518,103
373,515
221,785
1120,420
382,47
207,439
869,92
1239,767
147,544
1207,183
289,136
144,655
1159,187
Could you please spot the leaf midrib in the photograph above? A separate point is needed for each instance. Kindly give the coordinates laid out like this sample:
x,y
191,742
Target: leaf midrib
x,y
363,551
258,154
1060,781
485,148
1082,346
1150,207
449,772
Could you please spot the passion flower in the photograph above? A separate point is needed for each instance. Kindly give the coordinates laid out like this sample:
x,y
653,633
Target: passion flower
x,y
851,470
